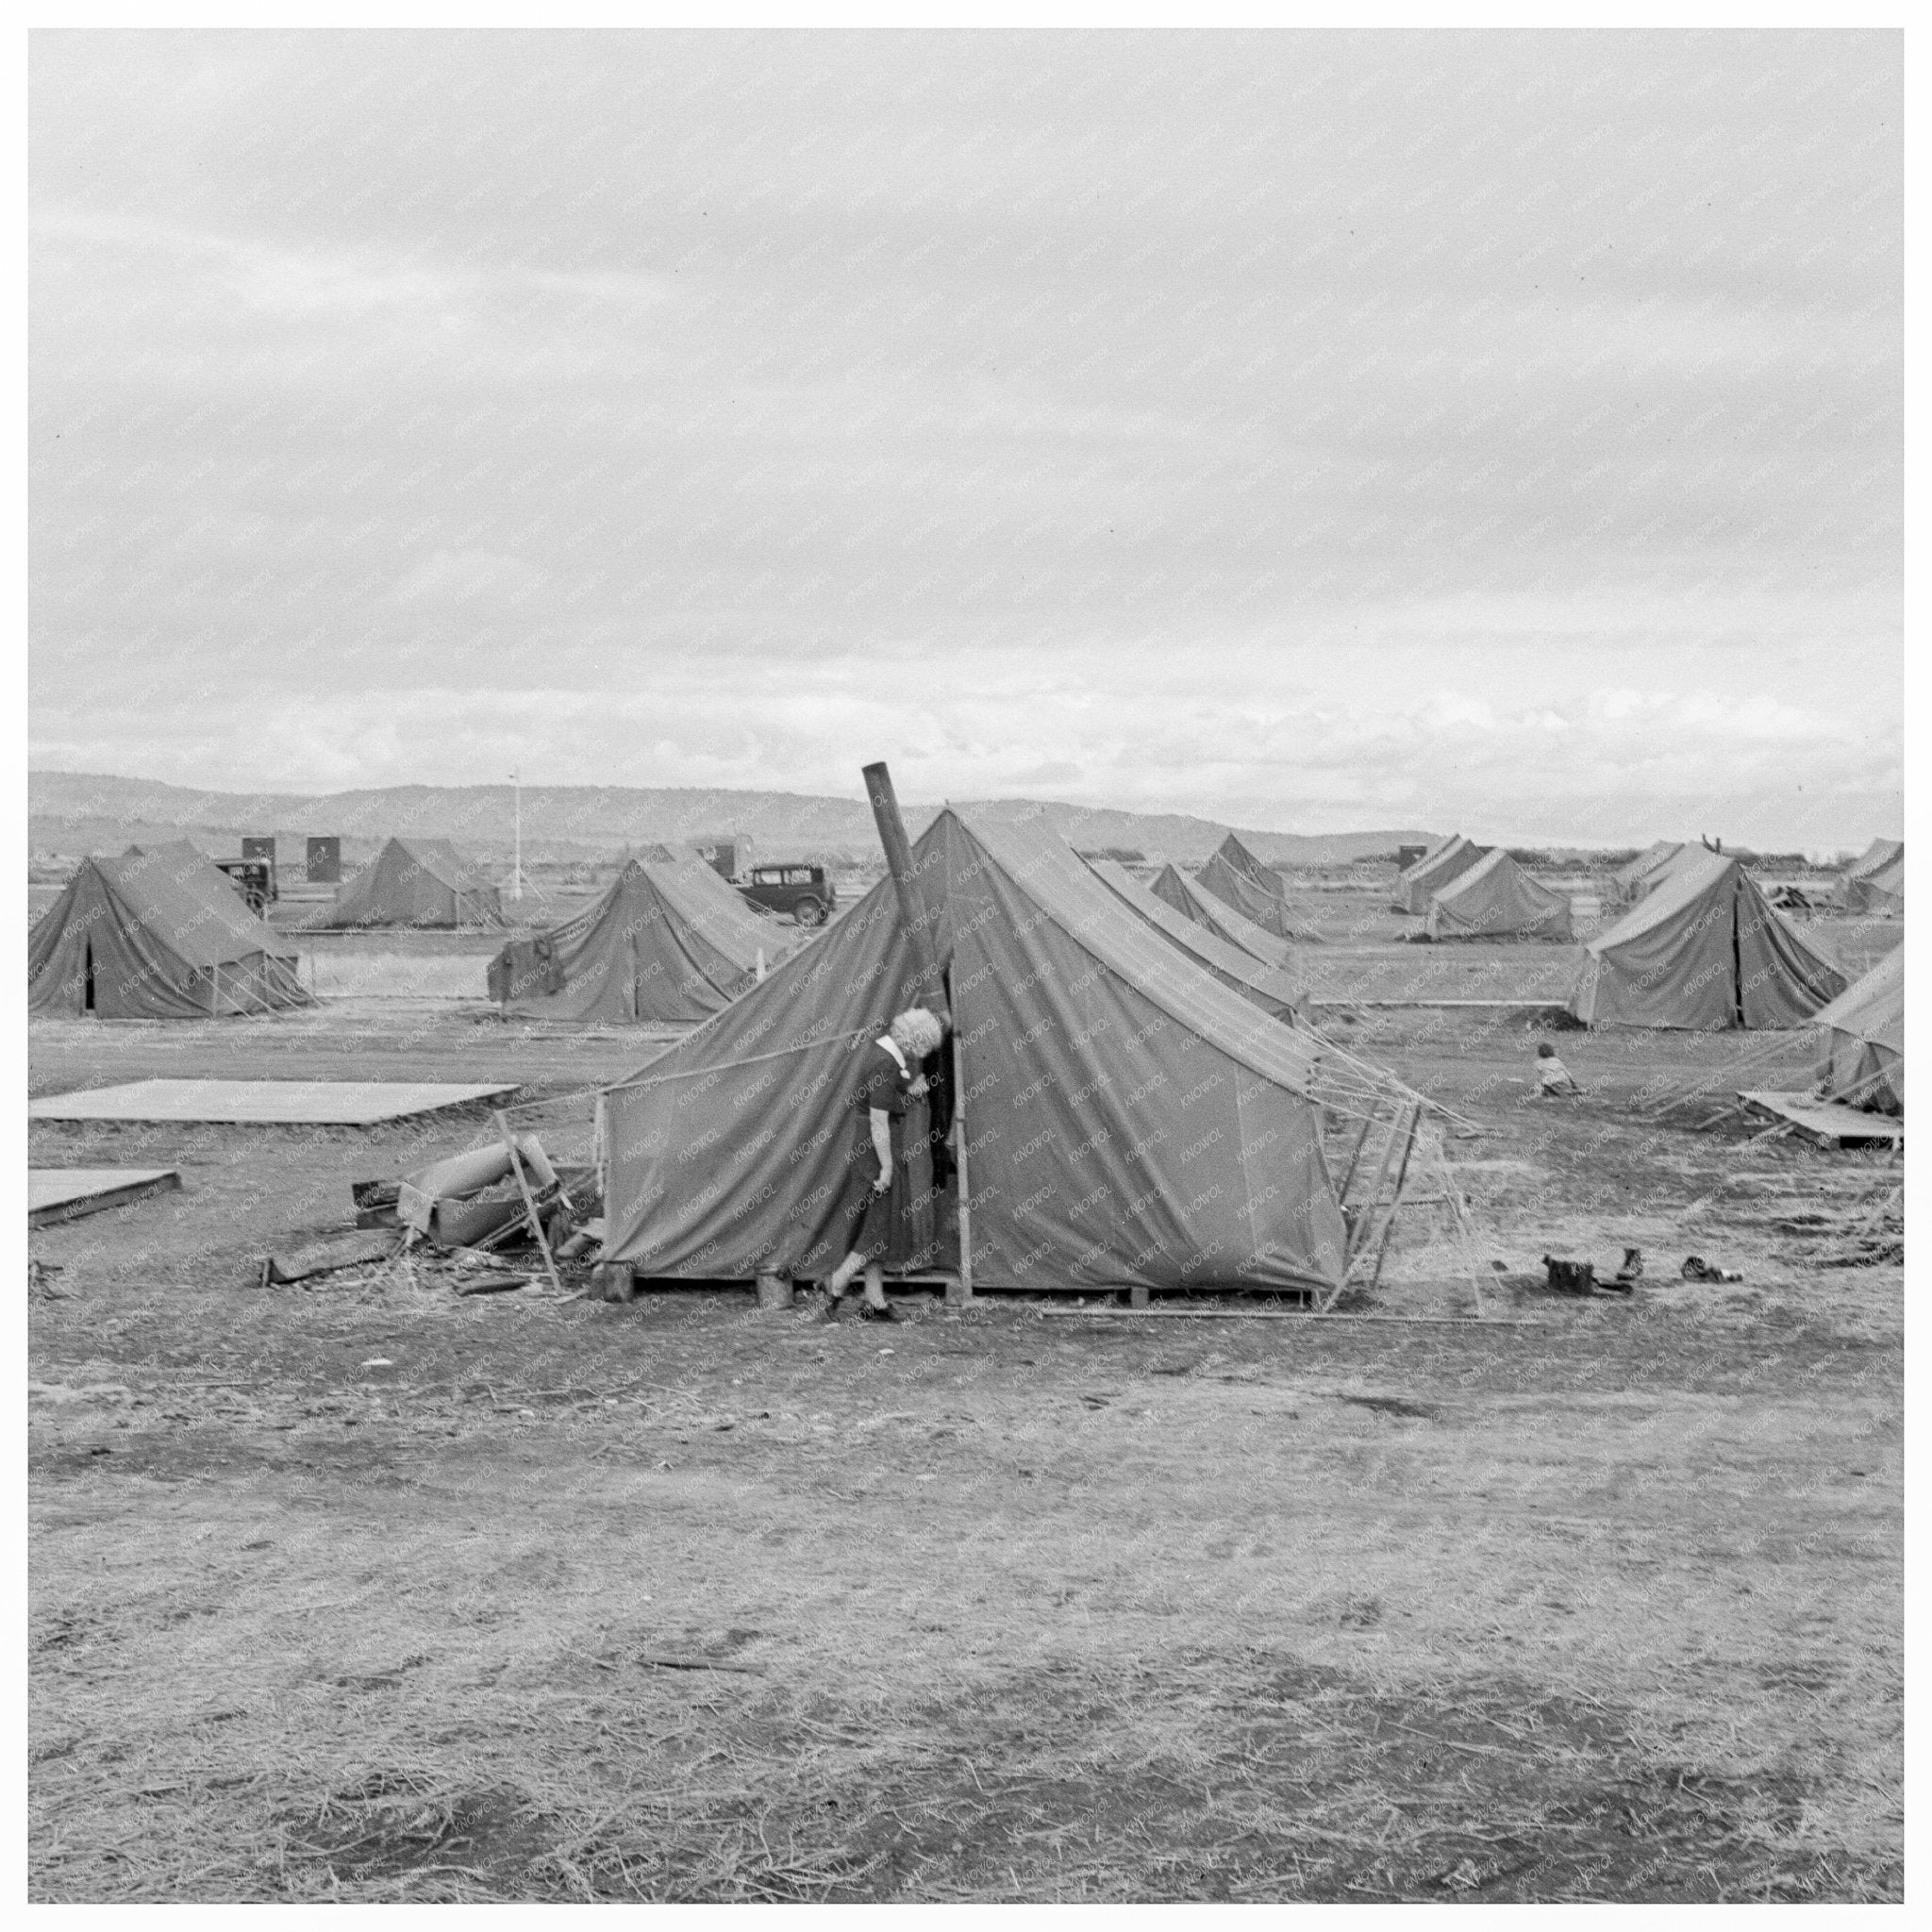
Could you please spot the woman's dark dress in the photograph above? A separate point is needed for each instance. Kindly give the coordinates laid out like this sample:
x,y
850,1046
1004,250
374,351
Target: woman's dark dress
x,y
882,1084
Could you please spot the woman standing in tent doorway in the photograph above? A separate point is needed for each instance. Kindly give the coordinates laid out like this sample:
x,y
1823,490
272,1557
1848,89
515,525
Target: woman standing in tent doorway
x,y
888,1078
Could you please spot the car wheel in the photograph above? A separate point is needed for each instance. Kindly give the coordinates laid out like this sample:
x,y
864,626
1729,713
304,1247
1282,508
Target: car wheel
x,y
810,912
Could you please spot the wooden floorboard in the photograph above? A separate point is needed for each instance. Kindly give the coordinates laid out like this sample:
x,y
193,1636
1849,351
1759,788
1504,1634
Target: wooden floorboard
x,y
1829,1120
261,1103
66,1193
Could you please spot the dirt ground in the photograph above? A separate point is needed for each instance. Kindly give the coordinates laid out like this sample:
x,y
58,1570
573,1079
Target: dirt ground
x,y
368,1591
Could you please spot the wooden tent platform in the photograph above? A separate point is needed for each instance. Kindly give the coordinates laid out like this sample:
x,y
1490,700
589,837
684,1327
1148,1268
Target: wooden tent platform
x,y
261,1103
1829,1122
66,1193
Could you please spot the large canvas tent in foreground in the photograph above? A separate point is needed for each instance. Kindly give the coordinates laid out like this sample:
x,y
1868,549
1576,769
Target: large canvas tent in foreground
x,y
669,940
1496,899
1433,871
1235,876
156,935
1272,987
1704,951
1865,1040
1186,895
420,882
1129,1119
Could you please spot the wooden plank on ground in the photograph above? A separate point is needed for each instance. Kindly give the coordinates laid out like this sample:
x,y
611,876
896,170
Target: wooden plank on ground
x,y
262,1103
66,1193
1828,1122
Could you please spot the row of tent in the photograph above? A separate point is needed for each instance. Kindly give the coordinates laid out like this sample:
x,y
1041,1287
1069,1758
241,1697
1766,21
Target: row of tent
x,y
1104,1051
162,933
1145,1107
1470,891
1874,883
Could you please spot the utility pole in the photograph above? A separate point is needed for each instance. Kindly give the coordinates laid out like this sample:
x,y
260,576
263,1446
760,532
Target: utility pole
x,y
516,793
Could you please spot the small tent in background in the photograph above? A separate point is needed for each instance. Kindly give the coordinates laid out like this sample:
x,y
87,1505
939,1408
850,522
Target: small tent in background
x,y
1865,1040
1271,988
669,940
1496,899
1235,878
1877,882
1238,859
180,851
1628,879
156,935
1098,1060
1184,895
420,882
1704,951
1690,855
1430,874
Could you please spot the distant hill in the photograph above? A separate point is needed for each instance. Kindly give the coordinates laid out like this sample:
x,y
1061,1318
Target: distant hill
x,y
73,812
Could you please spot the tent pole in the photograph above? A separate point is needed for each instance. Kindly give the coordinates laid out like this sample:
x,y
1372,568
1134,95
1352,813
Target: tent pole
x,y
536,1221
965,1294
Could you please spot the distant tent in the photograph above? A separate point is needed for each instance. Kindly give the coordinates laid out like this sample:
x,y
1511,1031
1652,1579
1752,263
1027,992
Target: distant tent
x,y
183,850
1271,988
1865,1040
414,882
1496,899
1250,867
1628,879
1877,882
1235,878
669,940
1100,1065
1876,857
1186,895
1690,855
1433,871
156,935
1705,950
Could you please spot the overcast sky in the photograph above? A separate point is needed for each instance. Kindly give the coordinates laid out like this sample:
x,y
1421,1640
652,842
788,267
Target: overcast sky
x,y
1491,432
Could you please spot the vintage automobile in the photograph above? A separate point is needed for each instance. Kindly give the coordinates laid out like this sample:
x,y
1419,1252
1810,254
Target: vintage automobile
x,y
803,890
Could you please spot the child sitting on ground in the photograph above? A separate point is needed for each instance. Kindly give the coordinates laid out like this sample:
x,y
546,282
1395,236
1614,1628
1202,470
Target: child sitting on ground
x,y
1553,1080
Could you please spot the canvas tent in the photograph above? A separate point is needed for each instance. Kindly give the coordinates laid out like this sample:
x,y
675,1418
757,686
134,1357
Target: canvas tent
x,y
1690,855
1271,988
1099,1065
1184,895
1876,881
1496,899
1629,879
1431,873
669,940
1235,878
414,882
1704,951
156,935
1865,1040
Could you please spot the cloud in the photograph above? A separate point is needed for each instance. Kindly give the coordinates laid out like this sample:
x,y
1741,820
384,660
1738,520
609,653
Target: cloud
x,y
1498,429
463,576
